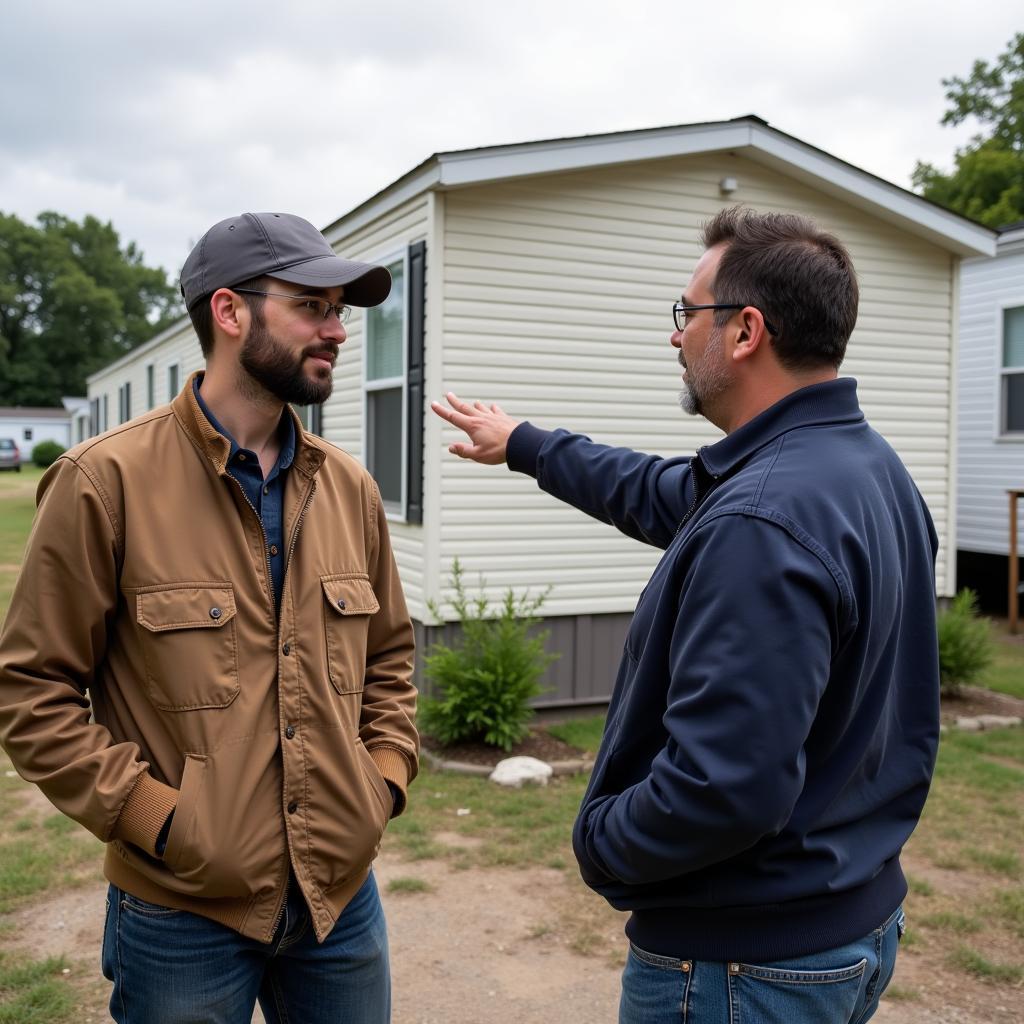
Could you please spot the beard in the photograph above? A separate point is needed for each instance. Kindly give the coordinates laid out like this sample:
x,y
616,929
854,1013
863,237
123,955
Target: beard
x,y
274,367
705,380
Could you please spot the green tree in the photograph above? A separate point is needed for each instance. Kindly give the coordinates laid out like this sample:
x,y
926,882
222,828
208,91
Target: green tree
x,y
71,300
987,183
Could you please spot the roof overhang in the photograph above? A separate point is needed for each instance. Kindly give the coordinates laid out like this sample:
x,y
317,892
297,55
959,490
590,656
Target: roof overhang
x,y
747,136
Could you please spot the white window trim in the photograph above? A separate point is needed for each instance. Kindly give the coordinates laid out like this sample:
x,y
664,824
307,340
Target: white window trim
x,y
393,513
1000,435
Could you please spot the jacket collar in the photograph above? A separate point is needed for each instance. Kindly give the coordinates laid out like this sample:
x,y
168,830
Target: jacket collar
x,y
309,457
833,401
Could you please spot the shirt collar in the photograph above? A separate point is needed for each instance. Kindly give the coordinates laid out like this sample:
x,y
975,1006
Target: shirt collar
x,y
286,429
832,401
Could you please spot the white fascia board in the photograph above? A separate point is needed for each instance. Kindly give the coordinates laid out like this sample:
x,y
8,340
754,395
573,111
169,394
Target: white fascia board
x,y
503,162
405,188
1011,242
857,187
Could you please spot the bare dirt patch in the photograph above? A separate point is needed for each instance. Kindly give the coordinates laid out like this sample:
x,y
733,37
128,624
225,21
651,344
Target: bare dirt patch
x,y
526,945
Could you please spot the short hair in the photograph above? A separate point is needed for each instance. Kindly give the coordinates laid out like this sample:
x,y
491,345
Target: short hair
x,y
202,316
800,277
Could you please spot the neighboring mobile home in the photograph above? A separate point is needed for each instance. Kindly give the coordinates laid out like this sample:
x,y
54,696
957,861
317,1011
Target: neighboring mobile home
x,y
991,415
541,276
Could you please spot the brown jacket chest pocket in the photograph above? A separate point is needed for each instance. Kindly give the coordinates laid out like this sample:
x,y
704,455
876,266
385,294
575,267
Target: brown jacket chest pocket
x,y
188,645
349,602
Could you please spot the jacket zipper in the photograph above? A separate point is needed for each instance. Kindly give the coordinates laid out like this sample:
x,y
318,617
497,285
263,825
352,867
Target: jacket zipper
x,y
697,496
287,564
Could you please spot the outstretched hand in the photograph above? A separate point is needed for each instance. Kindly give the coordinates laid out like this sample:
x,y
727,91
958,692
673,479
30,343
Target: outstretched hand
x,y
488,427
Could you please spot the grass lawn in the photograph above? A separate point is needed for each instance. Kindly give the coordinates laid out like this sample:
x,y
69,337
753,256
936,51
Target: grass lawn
x,y
1006,673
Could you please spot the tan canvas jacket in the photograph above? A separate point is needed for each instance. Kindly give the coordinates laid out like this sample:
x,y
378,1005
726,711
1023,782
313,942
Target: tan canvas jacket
x,y
146,586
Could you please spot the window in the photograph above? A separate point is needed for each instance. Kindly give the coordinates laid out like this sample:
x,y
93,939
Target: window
x,y
26,434
124,402
1012,372
394,387
173,386
150,388
311,417
385,390
106,410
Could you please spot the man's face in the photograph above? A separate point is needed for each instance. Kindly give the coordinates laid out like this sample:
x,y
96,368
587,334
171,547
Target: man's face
x,y
291,349
702,345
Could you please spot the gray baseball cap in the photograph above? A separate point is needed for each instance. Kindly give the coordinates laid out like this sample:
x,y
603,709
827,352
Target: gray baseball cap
x,y
278,245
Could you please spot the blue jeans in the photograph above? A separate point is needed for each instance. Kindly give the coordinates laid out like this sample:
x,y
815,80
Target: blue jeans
x,y
839,986
173,967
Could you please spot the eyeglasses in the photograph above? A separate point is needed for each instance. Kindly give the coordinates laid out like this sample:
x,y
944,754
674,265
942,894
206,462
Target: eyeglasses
x,y
321,307
680,311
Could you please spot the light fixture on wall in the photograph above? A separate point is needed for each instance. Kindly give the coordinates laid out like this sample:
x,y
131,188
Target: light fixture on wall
x,y
727,186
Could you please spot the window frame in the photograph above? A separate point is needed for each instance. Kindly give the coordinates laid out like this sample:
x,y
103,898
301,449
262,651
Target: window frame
x,y
392,511
1003,372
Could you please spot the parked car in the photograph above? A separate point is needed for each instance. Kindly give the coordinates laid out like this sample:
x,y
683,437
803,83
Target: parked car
x,y
10,457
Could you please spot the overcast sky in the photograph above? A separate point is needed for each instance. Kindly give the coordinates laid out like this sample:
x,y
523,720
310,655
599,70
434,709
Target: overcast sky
x,y
166,119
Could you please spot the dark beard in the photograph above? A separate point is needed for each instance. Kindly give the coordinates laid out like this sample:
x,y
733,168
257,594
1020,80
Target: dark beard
x,y
279,371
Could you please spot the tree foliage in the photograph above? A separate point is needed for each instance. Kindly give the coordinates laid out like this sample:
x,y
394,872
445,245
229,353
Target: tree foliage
x,y
987,183
71,300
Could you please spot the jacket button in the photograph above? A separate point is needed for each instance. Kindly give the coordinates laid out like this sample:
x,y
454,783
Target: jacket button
x,y
286,650
215,613
293,807
290,732
341,603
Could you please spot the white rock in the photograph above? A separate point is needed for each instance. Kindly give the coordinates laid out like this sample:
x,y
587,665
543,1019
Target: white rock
x,y
461,812
968,724
514,771
998,721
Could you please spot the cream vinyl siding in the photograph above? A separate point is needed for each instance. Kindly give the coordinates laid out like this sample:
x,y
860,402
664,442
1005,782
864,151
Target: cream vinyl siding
x,y
178,344
557,301
385,238
988,464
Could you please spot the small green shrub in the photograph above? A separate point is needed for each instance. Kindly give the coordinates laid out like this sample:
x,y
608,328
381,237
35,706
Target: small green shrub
x,y
486,679
46,453
965,642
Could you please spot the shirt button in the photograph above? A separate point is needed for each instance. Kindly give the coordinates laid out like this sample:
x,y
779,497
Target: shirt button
x,y
293,807
273,549
341,603
290,732
286,650
215,613
266,490
241,456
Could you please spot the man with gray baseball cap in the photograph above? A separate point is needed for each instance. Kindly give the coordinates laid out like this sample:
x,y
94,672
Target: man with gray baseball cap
x,y
237,624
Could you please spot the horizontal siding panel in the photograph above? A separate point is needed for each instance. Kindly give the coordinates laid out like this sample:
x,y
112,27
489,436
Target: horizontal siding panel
x,y
986,464
557,306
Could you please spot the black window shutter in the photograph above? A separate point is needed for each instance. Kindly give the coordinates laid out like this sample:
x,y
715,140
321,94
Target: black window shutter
x,y
414,383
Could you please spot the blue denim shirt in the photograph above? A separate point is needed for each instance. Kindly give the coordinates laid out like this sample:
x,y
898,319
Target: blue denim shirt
x,y
265,494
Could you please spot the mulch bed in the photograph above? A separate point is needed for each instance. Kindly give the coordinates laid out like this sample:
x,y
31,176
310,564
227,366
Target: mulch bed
x,y
539,744
974,701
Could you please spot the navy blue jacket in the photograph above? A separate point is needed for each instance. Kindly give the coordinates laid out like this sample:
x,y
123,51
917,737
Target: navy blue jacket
x,y
773,728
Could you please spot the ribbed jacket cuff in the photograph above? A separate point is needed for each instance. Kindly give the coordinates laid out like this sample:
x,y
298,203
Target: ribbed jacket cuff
x,y
147,808
395,769
523,448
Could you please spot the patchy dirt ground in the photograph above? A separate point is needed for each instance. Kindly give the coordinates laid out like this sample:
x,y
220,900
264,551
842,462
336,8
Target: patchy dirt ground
x,y
517,945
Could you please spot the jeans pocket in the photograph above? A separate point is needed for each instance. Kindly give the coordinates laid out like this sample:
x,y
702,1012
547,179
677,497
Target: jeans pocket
x,y
804,990
654,988
141,906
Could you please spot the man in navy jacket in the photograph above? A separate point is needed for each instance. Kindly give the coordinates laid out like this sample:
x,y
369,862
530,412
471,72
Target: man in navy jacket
x,y
773,728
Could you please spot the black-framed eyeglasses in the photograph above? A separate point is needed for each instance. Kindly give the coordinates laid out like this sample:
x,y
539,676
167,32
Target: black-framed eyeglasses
x,y
321,307
680,311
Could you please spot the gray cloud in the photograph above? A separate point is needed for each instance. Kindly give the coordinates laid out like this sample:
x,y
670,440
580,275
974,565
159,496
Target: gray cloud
x,y
164,120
